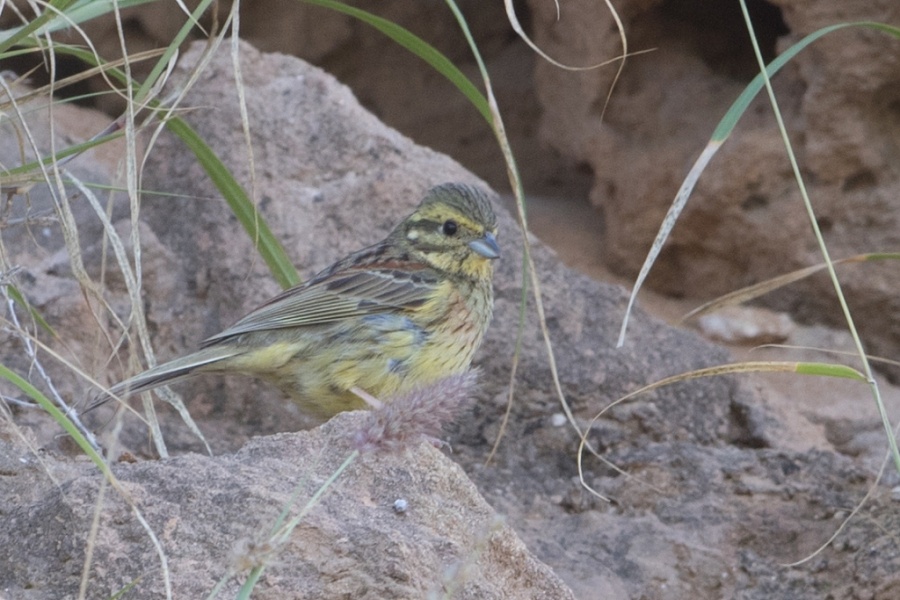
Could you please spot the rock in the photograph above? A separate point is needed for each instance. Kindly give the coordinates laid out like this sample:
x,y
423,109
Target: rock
x,y
217,518
750,325
745,222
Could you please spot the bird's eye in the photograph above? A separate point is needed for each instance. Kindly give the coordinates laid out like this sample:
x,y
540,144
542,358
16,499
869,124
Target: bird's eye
x,y
450,227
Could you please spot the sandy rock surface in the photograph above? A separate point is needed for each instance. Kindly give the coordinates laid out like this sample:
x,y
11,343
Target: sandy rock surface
x,y
214,518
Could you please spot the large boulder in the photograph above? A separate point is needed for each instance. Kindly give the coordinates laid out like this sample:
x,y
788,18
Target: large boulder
x,y
398,525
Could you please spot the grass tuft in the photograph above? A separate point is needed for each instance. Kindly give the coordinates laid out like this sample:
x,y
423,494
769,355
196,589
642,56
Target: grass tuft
x,y
419,415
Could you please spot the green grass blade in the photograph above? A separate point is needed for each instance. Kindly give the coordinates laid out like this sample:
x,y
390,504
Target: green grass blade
x,y
19,299
11,37
75,11
60,417
800,368
73,150
735,112
172,48
266,243
420,48
830,370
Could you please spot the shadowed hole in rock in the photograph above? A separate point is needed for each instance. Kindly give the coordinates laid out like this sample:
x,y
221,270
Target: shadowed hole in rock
x,y
38,75
746,430
825,224
754,202
859,180
720,35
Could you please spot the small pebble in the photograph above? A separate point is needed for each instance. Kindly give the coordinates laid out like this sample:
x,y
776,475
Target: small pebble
x,y
749,325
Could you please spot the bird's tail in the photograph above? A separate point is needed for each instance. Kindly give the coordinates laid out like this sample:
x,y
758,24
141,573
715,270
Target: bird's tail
x,y
170,372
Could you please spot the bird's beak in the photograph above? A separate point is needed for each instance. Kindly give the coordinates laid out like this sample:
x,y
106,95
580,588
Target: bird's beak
x,y
486,246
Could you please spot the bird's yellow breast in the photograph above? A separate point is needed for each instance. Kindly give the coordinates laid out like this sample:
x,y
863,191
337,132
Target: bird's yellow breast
x,y
383,354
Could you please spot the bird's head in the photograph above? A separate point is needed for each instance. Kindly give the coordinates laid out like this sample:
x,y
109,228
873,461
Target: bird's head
x,y
454,230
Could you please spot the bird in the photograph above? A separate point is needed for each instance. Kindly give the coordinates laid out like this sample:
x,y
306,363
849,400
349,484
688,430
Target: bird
x,y
387,319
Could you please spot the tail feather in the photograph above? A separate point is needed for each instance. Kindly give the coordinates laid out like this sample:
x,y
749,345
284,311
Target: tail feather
x,y
170,372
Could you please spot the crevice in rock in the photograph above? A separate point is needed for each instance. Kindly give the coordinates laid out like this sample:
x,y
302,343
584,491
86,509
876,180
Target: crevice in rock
x,y
746,426
720,36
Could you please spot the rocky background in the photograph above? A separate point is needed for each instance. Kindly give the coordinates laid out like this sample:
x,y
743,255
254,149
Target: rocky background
x,y
727,481
839,98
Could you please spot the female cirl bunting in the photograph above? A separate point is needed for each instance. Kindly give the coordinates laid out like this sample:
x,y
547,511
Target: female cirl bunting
x,y
405,312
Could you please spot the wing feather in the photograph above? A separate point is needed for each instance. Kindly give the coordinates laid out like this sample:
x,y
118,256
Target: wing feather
x,y
335,296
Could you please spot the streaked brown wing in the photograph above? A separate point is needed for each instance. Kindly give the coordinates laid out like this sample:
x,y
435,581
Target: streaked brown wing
x,y
334,296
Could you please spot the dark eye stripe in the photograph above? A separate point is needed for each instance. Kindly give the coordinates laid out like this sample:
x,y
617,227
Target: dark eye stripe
x,y
430,225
